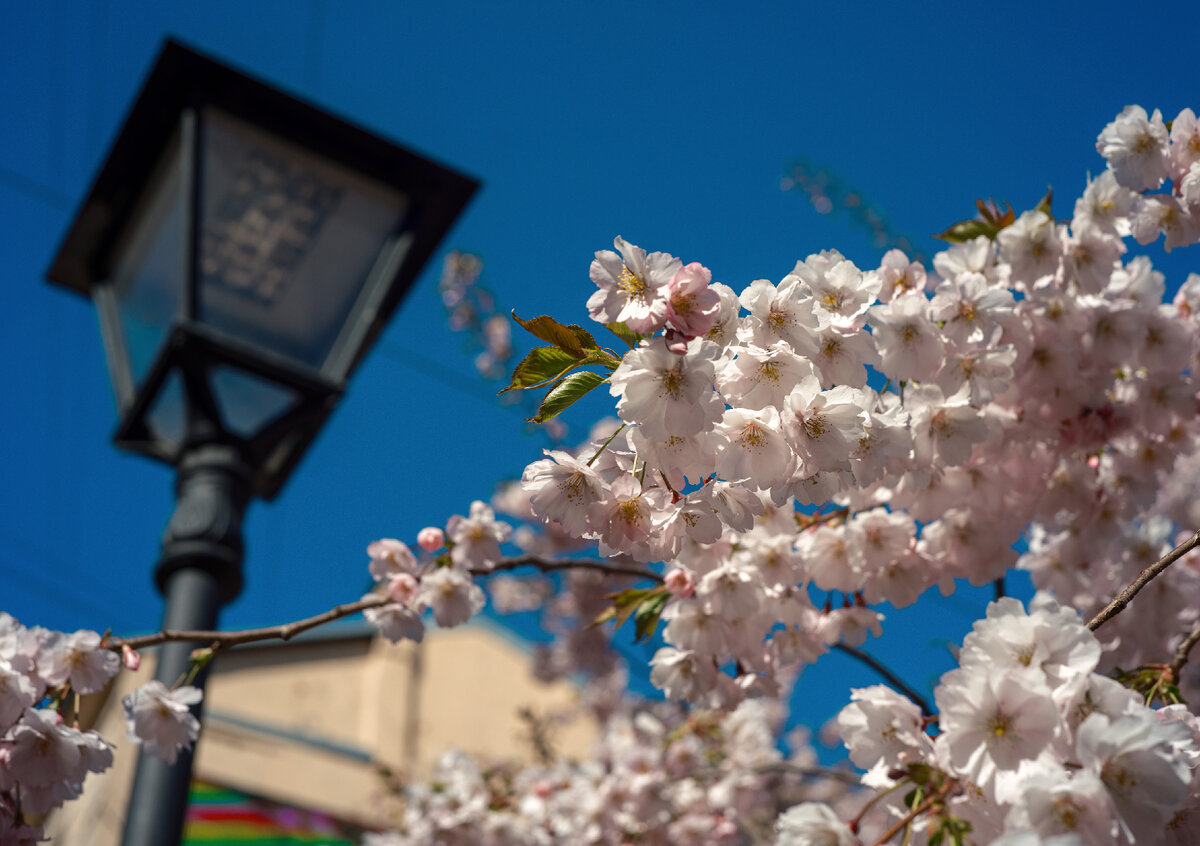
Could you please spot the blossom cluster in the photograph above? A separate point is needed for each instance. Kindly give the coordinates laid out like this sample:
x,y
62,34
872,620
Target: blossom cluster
x,y
43,760
796,454
443,585
657,777
44,756
876,432
1035,742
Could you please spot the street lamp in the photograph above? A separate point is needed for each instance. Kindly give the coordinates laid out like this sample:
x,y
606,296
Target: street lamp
x,y
244,249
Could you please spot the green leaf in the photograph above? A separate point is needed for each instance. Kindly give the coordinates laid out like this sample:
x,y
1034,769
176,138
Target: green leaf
x,y
1044,203
626,602
646,617
572,339
640,603
967,230
603,617
565,393
625,334
542,364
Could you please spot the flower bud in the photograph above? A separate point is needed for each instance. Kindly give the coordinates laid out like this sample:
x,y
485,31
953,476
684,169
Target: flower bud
x,y
431,539
402,587
130,658
680,582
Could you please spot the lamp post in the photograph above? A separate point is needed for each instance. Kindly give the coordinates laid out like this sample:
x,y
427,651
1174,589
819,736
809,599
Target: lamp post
x,y
244,249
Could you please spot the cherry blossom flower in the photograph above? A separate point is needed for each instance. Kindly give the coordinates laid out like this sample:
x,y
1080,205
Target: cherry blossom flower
x,y
16,694
80,659
692,306
477,538
813,824
753,447
883,730
633,286
49,761
897,276
910,345
390,557
396,621
450,593
1032,246
993,721
1136,758
784,313
1136,148
665,393
563,488
159,719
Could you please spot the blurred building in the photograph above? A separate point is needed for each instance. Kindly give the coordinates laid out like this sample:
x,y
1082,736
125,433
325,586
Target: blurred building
x,y
308,741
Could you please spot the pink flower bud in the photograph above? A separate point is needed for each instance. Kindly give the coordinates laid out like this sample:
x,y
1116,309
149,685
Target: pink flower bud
x,y
543,789
680,582
431,539
130,658
402,587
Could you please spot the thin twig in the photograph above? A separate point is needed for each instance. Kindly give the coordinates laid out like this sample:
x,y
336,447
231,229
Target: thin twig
x,y
876,665
1181,653
908,818
1124,597
549,565
806,521
287,631
875,800
787,767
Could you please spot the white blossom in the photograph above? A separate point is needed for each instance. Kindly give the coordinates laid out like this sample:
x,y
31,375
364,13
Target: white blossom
x,y
159,719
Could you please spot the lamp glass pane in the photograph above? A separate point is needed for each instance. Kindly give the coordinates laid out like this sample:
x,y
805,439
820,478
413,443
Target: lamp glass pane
x,y
248,402
166,417
288,239
147,275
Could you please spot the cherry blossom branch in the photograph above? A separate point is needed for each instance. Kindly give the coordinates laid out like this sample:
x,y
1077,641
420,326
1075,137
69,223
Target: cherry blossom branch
x,y
287,631
549,565
907,819
787,767
1126,596
808,521
897,682
1181,653
873,801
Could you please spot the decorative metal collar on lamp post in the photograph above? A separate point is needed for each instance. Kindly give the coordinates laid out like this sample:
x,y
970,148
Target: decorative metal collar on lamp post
x,y
244,249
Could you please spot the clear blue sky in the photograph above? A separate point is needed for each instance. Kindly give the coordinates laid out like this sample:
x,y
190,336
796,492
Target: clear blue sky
x,y
664,124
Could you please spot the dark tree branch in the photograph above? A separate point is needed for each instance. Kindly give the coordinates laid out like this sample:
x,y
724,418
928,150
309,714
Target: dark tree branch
x,y
1181,653
287,631
897,682
1124,597
549,565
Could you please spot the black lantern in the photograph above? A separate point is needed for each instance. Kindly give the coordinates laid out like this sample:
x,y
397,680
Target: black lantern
x,y
244,250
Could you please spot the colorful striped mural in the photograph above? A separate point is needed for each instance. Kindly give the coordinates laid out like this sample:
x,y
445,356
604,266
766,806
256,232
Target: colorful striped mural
x,y
218,816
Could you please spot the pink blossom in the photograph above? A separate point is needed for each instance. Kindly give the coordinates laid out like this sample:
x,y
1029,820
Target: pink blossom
x,y
692,306
431,539
680,582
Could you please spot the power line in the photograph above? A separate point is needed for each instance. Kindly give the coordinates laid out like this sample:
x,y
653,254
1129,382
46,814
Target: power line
x,y
36,190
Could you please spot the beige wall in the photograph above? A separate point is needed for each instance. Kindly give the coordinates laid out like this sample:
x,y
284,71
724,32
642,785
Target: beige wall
x,y
315,723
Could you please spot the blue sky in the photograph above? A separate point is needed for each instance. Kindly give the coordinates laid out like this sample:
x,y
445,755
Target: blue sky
x,y
667,123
